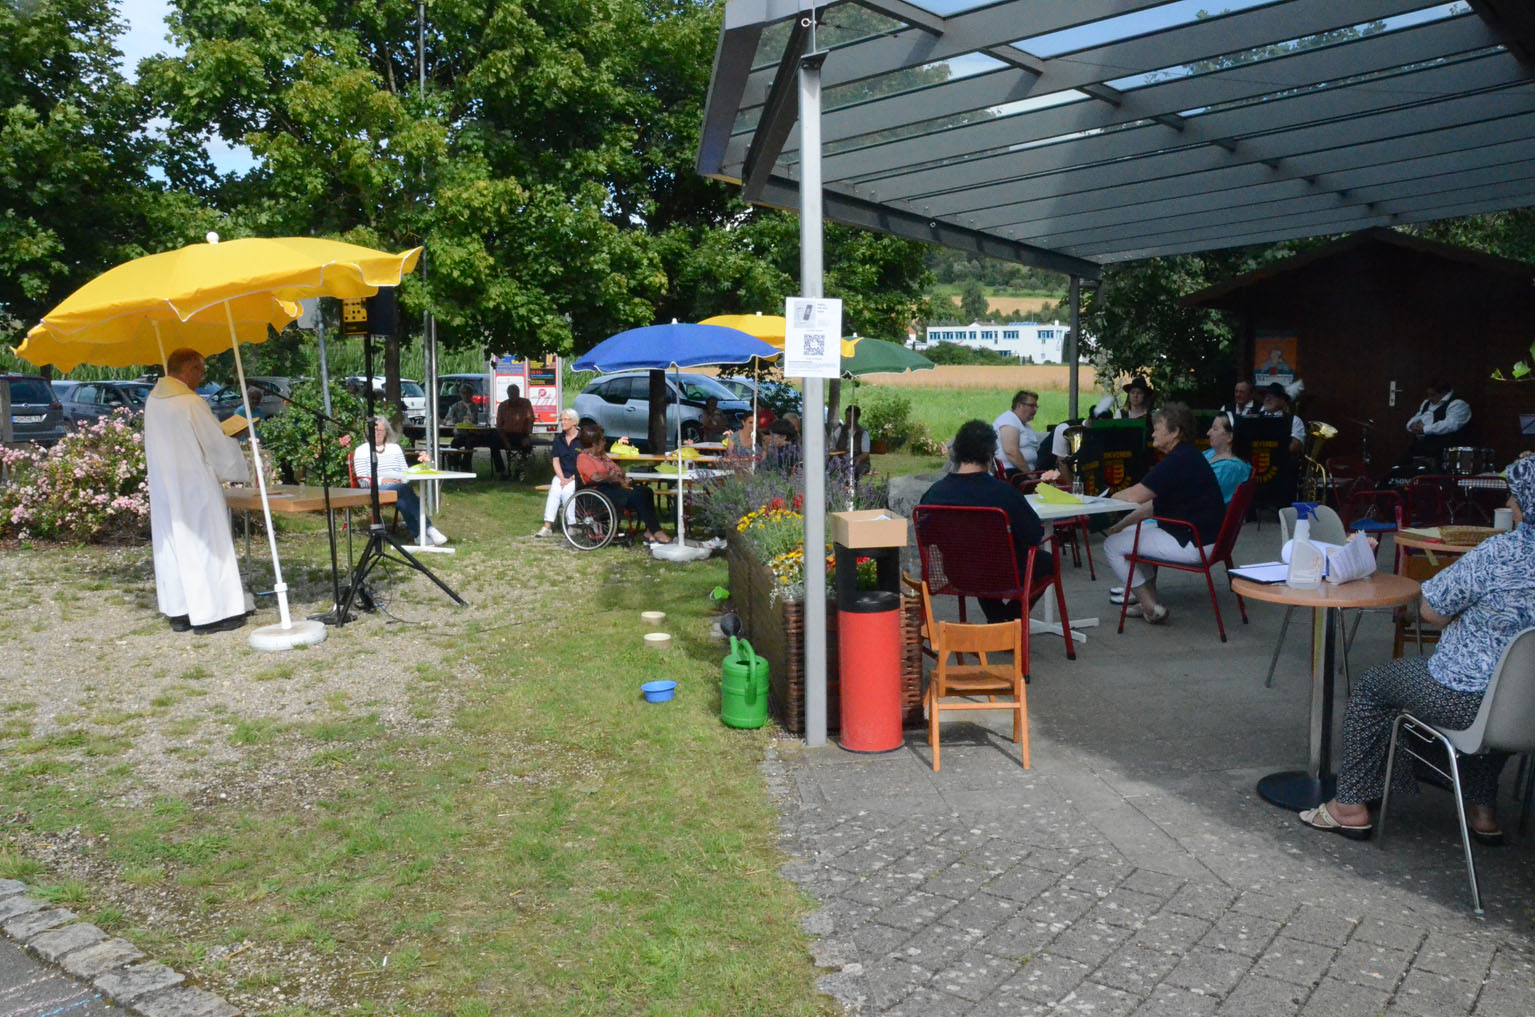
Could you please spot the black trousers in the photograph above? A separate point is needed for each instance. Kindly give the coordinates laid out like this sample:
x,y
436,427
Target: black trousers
x,y
638,499
1008,610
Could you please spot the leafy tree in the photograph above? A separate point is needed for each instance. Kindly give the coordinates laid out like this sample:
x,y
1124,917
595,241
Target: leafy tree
x,y
959,353
75,187
972,303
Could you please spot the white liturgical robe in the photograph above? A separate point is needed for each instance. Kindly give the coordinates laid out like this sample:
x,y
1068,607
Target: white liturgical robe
x,y
188,455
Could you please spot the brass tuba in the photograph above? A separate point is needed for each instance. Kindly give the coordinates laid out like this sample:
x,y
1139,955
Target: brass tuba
x,y
1314,482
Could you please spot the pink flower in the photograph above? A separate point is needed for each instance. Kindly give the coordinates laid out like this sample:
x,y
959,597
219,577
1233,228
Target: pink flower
x,y
345,441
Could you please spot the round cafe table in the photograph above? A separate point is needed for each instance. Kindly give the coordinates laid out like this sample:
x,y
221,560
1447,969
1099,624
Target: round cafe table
x,y
1306,789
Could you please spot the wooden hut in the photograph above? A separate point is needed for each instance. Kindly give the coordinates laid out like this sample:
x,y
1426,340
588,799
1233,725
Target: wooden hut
x,y
1370,319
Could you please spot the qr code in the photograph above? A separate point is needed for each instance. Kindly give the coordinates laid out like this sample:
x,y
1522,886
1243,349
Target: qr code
x,y
815,344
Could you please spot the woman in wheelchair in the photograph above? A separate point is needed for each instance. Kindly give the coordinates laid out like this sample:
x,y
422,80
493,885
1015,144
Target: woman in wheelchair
x,y
598,470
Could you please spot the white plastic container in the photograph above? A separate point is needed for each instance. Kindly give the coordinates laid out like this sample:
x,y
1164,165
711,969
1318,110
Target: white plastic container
x,y
1306,561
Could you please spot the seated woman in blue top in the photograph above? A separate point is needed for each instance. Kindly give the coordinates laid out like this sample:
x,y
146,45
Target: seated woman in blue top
x,y
1485,599
972,483
1230,471
1181,487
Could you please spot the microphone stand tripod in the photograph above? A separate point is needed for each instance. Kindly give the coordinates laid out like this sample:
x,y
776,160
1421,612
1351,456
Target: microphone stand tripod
x,y
332,617
379,537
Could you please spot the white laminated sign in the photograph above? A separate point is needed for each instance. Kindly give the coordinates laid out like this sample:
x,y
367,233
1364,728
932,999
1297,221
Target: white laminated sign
x,y
812,337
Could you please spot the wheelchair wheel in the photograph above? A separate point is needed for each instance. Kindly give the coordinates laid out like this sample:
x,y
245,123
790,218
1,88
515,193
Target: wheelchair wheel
x,y
589,520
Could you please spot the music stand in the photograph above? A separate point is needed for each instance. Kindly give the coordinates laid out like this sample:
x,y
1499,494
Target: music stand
x,y
380,540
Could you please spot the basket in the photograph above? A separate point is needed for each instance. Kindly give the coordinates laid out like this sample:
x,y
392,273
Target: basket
x,y
1465,536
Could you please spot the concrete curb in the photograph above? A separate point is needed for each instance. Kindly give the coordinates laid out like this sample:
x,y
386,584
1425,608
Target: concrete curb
x,y
113,967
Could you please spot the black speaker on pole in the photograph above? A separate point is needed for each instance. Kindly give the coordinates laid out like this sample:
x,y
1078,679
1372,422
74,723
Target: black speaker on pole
x,y
382,312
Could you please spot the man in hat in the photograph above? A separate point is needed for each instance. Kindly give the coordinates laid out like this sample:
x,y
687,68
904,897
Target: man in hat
x,y
1276,403
197,577
1439,423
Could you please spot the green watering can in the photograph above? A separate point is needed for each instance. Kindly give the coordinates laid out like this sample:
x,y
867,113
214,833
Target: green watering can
x,y
744,686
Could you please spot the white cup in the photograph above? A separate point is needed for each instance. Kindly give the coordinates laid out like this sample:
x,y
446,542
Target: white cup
x,y
1503,519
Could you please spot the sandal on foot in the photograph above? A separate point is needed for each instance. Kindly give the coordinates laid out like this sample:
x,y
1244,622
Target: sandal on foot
x,y
1135,611
1158,616
1320,819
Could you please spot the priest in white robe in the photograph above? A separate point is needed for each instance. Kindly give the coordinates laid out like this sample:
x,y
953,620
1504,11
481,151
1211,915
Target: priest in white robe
x,y
197,577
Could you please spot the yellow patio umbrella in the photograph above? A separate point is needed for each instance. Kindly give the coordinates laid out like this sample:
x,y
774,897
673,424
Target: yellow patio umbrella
x,y
770,328
140,310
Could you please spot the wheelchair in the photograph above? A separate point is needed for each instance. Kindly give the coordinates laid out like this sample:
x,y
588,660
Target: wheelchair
x,y
590,520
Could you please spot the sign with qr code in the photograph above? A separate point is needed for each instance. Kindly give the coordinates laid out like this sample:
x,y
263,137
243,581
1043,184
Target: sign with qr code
x,y
813,337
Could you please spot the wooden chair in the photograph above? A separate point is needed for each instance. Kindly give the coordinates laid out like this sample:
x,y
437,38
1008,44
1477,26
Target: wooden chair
x,y
1225,542
968,551
956,685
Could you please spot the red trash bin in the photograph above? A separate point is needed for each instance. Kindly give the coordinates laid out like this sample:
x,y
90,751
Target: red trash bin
x,y
869,646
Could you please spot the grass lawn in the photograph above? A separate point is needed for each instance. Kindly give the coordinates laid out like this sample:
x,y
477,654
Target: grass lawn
x,y
943,410
497,825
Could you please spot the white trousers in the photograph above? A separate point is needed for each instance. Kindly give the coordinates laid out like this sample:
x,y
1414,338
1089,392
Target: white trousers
x,y
1155,543
559,494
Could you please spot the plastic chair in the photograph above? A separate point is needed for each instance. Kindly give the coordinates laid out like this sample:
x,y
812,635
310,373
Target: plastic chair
x,y
956,680
968,551
1225,542
1328,528
1373,511
1505,723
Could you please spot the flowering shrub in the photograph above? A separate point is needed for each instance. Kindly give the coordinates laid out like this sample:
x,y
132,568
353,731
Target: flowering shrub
x,y
887,417
925,444
293,442
89,487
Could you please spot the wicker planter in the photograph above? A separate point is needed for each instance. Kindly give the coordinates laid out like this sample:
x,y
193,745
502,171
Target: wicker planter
x,y
777,631
879,447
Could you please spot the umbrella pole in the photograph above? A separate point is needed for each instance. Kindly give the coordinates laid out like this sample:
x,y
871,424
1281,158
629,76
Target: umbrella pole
x,y
278,586
677,377
164,367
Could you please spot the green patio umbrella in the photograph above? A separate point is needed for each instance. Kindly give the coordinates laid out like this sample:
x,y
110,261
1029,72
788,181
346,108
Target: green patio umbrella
x,y
876,356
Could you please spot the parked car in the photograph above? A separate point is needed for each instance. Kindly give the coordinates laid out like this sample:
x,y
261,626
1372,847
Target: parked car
x,y
35,412
621,404
411,394
775,395
448,386
88,401
224,401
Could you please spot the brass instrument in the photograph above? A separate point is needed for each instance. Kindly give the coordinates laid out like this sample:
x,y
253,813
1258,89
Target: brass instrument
x,y
1314,482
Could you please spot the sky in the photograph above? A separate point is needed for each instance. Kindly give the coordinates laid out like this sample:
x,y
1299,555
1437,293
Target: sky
x,y
146,37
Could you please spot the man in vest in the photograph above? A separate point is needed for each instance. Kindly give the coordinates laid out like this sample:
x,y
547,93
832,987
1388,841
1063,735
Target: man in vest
x,y
1440,423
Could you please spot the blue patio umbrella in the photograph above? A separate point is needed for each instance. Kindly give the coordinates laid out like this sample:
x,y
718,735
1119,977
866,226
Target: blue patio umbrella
x,y
675,345
679,344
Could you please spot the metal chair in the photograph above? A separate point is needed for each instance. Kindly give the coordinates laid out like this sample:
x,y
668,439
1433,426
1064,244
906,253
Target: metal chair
x,y
1002,684
1328,528
1066,530
1505,723
1225,542
968,551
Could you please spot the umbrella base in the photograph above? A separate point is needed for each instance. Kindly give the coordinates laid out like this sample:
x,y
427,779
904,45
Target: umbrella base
x,y
275,637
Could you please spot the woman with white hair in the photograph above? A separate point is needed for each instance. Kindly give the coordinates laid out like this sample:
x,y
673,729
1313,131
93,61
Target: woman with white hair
x,y
563,456
389,460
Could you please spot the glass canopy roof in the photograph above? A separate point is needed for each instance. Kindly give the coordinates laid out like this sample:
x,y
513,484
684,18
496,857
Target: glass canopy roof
x,y
1075,133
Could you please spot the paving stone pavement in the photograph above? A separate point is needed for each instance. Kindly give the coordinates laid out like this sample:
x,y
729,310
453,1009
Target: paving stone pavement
x,y
1134,870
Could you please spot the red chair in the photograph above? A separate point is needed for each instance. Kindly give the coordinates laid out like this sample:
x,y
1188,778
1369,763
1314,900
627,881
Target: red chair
x,y
1236,512
1426,501
1345,474
968,551
1374,512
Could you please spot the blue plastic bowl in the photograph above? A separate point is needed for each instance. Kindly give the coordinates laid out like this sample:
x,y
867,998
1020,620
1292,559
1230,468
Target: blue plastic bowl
x,y
658,692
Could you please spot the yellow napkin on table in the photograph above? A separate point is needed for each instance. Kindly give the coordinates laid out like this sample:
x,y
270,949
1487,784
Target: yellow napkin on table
x,y
1052,495
623,451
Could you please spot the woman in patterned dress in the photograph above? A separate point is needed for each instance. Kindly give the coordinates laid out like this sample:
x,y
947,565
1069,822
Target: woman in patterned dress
x,y
1484,600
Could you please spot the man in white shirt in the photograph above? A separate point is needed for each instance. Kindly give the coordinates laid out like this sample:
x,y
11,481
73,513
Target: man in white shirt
x,y
197,577
1438,423
1017,442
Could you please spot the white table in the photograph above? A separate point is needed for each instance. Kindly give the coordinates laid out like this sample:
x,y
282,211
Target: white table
x,y
414,475
1050,512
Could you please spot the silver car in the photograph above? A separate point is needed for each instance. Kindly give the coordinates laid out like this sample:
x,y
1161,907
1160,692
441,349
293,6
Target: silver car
x,y
621,404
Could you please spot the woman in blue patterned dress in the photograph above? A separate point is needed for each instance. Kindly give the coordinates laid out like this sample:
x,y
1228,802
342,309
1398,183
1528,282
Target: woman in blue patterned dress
x,y
1484,600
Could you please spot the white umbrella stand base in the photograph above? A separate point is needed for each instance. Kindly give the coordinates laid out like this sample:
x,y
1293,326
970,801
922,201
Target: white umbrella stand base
x,y
300,633
679,551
